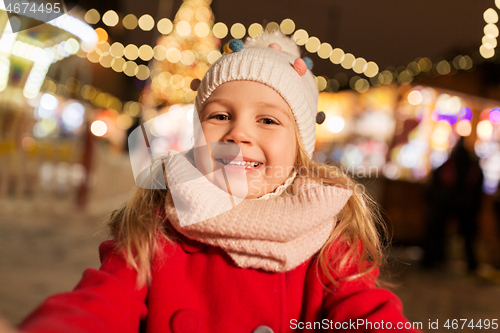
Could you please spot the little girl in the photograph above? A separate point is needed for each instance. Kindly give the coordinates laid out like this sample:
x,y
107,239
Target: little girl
x,y
251,234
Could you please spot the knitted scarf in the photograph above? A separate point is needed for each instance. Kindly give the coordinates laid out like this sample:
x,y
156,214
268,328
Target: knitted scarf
x,y
275,234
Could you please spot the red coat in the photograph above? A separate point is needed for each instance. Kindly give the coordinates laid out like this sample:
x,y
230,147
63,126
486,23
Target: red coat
x,y
198,288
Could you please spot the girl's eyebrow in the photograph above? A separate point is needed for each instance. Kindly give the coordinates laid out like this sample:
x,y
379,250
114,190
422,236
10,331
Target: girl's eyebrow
x,y
274,106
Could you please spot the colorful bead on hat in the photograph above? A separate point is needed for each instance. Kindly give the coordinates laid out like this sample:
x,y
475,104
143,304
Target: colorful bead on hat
x,y
320,117
235,45
308,62
300,66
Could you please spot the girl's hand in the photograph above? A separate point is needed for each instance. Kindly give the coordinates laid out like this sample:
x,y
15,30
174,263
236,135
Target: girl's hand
x,y
6,328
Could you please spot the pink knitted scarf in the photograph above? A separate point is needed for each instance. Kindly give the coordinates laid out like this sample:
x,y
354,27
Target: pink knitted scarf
x,y
276,234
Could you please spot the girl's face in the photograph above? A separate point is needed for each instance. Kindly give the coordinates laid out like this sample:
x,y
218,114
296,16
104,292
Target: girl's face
x,y
257,119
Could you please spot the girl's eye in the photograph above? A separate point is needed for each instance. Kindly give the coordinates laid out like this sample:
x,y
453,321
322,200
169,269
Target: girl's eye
x,y
269,121
217,116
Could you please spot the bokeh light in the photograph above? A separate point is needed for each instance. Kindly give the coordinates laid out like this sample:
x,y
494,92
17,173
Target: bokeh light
x,y
165,26
301,37
415,97
92,16
255,29
465,113
130,22
238,30
490,16
464,128
146,22
98,128
484,130
287,26
337,56
313,44
110,18
220,30
494,116
131,52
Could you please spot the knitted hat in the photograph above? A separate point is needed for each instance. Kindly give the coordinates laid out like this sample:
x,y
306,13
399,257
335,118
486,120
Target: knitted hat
x,y
274,60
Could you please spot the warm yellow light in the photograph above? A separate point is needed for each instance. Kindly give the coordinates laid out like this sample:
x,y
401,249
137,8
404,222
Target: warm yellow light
x,y
131,52
130,22
130,68
464,128
183,28
300,36
106,60
490,16
371,69
92,16
324,50
118,64
160,52
187,57
146,22
201,29
124,121
72,46
271,26
287,26
110,18
102,48
219,30
313,44
213,56
406,77
337,56
486,52
489,42
102,35
98,128
255,29
348,61
362,86
203,14
484,130
415,97
142,72
443,67
165,26
117,50
359,65
321,82
497,3
185,14
491,30
145,52
425,64
173,55
238,30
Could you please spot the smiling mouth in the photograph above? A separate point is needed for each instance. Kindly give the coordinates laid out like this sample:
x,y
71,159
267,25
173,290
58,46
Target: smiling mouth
x,y
245,164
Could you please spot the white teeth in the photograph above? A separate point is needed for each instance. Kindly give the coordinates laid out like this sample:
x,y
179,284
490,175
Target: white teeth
x,y
242,163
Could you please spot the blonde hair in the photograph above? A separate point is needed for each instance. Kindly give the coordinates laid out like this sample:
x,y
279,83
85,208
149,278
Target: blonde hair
x,y
353,249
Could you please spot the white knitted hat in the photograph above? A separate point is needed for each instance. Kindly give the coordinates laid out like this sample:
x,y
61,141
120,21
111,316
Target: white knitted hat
x,y
274,60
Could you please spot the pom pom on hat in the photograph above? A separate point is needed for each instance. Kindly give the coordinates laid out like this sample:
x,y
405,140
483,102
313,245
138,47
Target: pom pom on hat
x,y
235,45
275,46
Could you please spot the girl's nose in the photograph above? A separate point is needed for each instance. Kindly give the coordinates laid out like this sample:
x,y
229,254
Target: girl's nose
x,y
239,132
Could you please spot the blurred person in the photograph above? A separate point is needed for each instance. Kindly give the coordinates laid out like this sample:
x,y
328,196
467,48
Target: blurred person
x,y
300,249
455,190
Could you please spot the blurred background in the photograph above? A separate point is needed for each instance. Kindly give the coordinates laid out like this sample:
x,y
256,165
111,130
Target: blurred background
x,y
411,93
